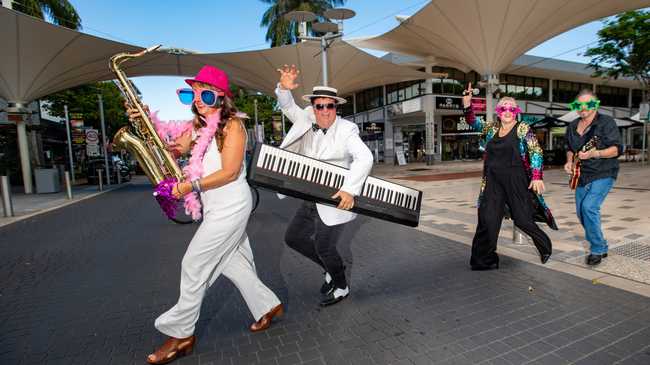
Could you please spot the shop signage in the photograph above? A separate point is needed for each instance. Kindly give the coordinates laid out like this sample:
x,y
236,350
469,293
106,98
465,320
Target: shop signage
x,y
454,124
449,103
374,127
78,136
76,120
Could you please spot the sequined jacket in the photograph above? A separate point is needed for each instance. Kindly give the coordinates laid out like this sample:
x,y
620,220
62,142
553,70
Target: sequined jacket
x,y
531,154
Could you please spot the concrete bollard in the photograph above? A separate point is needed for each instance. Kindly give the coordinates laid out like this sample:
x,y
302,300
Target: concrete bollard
x,y
68,184
119,177
6,196
101,181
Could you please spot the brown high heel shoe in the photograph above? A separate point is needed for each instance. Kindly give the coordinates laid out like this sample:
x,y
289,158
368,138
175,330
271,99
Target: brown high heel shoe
x,y
172,349
265,321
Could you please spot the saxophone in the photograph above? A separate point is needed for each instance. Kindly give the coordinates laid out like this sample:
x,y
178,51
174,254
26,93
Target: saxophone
x,y
140,137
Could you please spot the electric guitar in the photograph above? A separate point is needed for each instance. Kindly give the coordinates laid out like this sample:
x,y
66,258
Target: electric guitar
x,y
575,168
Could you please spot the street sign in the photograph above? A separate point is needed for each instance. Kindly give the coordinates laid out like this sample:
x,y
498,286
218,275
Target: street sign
x,y
92,143
92,136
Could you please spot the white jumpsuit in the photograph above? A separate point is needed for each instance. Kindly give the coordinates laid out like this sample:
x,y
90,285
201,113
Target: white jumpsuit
x,y
219,246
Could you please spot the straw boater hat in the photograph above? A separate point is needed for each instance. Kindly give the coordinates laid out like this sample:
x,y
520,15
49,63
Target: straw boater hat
x,y
324,92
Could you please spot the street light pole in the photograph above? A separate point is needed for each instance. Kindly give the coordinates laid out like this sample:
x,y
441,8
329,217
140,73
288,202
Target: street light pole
x,y
257,127
100,100
67,128
323,46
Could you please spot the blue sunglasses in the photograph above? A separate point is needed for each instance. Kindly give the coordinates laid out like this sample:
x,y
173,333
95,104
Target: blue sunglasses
x,y
208,97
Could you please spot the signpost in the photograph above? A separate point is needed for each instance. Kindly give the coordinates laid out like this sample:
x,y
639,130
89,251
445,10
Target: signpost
x,y
92,143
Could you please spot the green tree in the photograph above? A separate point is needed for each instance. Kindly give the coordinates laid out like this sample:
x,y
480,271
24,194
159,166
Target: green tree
x,y
280,31
624,49
60,12
266,108
83,99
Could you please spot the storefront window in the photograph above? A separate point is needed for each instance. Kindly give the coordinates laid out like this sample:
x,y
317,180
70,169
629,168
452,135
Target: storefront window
x,y
524,87
404,90
613,96
566,91
455,82
459,140
347,108
370,99
637,96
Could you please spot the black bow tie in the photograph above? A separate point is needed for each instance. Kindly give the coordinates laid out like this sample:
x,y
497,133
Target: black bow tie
x,y
315,128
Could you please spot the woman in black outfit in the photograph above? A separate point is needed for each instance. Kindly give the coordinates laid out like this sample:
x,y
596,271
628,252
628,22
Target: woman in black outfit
x,y
513,167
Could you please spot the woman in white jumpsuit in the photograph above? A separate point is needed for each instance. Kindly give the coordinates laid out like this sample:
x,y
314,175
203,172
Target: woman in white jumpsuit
x,y
220,245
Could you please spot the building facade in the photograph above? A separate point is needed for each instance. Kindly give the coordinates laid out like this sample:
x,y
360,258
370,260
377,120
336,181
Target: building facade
x,y
402,118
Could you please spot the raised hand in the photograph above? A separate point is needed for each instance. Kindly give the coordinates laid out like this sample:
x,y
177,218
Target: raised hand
x,y
467,96
288,76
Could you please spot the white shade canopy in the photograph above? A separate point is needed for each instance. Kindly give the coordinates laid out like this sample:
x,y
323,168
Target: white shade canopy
x,y
488,35
39,58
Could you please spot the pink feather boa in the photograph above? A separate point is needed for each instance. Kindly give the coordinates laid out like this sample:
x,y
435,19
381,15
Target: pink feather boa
x,y
172,129
194,169
169,131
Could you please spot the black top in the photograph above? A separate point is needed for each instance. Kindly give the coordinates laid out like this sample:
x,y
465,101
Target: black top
x,y
605,128
503,152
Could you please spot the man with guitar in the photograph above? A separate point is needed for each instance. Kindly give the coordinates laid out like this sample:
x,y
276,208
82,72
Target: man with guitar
x,y
594,145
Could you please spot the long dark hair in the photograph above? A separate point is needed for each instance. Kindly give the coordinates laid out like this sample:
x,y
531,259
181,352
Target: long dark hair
x,y
228,111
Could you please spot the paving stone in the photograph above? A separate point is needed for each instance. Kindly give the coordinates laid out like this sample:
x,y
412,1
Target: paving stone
x,y
105,268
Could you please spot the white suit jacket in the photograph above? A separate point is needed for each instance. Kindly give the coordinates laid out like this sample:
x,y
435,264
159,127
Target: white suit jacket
x,y
342,147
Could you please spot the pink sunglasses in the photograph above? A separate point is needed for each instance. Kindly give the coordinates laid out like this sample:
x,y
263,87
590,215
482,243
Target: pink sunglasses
x,y
511,109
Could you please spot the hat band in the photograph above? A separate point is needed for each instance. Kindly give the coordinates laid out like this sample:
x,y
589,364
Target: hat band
x,y
324,93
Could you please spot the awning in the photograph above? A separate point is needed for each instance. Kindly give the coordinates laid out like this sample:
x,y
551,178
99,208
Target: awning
x,y
39,58
349,68
487,36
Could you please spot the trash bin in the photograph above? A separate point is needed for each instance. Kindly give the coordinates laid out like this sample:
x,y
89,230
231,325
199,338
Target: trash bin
x,y
47,181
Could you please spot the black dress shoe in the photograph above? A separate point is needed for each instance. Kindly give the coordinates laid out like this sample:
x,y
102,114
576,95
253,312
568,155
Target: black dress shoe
x,y
335,296
595,259
494,266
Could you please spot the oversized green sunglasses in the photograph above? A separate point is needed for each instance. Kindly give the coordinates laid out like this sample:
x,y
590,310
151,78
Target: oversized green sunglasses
x,y
577,106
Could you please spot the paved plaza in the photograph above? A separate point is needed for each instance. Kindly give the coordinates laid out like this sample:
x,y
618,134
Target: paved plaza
x,y
83,284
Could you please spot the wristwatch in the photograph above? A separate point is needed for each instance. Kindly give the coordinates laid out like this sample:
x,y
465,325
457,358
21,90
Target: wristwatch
x,y
196,186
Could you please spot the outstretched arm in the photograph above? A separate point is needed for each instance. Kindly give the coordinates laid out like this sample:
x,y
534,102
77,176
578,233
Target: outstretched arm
x,y
475,122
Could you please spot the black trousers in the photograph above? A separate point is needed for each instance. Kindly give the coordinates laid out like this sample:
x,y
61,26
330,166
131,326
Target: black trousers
x,y
308,235
507,185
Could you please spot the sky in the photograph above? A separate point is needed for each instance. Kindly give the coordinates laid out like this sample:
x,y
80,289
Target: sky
x,y
228,26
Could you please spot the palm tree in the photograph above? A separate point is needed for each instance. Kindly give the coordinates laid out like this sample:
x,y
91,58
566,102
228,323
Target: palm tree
x,y
281,31
61,12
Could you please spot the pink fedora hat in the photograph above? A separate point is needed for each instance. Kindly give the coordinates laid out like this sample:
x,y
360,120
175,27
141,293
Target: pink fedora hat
x,y
212,76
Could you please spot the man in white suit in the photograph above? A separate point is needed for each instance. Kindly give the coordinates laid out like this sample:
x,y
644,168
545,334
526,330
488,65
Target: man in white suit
x,y
317,132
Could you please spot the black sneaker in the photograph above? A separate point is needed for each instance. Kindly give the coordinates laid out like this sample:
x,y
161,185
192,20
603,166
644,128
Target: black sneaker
x,y
335,296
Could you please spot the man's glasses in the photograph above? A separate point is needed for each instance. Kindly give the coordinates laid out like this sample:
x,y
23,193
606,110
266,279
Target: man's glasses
x,y
208,97
511,109
329,106
577,106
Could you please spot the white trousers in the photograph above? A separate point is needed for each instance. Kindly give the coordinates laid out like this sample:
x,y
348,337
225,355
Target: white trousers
x,y
215,250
